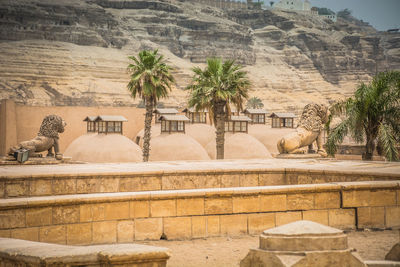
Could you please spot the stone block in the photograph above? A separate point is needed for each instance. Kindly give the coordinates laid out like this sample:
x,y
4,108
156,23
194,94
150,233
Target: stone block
x,y
40,187
85,213
356,198
87,185
98,212
2,189
383,198
64,186
273,203
342,218
31,234
271,179
178,227
109,185
79,234
260,221
233,225
190,206
38,216
53,234
305,179
5,233
199,228
129,184
163,208
371,217
213,226
116,211
104,232
392,215
17,189
139,209
287,217
327,200
12,218
249,179
218,205
148,229
66,214
318,216
398,197
125,231
229,180
211,181
150,183
246,204
300,201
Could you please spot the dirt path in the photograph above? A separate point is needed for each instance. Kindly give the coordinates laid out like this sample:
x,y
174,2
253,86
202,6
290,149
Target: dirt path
x,y
227,252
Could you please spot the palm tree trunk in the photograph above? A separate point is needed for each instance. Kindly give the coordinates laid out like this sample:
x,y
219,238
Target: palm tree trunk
x,y
147,129
220,126
369,147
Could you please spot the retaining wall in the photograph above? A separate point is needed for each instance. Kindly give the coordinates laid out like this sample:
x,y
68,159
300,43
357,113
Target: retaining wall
x,y
183,214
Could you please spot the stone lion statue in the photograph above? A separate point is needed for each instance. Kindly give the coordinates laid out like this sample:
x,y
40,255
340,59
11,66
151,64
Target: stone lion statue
x,y
46,139
309,129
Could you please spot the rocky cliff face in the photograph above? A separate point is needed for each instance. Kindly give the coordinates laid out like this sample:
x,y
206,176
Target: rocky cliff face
x,y
75,52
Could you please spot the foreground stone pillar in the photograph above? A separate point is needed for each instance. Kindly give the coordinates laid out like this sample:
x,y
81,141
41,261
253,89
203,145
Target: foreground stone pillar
x,y
302,244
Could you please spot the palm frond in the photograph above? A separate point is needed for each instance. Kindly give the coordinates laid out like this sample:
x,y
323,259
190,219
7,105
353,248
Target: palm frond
x,y
388,142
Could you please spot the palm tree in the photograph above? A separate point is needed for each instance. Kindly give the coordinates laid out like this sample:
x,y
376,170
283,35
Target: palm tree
x,y
254,102
214,88
371,115
151,80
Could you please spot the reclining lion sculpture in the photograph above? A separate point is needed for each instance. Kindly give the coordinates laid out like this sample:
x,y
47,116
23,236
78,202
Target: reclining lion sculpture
x,y
309,129
46,139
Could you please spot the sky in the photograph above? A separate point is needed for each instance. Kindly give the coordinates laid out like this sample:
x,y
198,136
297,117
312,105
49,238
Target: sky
x,y
381,14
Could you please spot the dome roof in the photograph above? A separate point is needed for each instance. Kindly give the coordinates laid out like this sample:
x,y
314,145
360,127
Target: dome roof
x,y
176,147
268,136
240,146
202,133
155,131
104,148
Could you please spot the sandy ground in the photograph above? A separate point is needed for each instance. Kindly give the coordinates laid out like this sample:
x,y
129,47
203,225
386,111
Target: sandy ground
x,y
227,252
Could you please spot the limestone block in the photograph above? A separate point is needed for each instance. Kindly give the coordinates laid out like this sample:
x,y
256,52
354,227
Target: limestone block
x,y
40,187
271,179
66,214
12,218
178,227
199,226
150,183
342,218
2,189
38,216
287,217
218,205
5,233
273,203
233,225
108,185
139,209
371,217
249,179
148,228
53,234
64,186
104,232
85,213
17,189
259,222
398,197
163,208
392,215
79,234
87,185
210,181
129,184
305,179
383,198
327,200
318,216
213,226
300,201
190,206
31,234
245,204
356,198
125,231
230,180
116,211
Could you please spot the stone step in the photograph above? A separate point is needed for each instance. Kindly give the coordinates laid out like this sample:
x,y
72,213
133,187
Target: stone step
x,y
382,263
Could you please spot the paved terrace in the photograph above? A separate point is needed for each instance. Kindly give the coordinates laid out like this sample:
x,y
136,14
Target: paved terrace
x,y
359,167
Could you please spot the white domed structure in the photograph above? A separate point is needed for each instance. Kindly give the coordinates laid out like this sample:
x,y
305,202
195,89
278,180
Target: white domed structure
x,y
201,132
103,148
240,146
268,136
176,146
155,131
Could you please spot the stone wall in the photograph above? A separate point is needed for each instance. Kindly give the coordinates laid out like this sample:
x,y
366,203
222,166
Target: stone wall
x,y
184,214
224,4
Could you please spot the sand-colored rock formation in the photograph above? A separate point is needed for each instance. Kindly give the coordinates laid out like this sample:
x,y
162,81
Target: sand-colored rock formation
x,y
104,148
240,146
176,147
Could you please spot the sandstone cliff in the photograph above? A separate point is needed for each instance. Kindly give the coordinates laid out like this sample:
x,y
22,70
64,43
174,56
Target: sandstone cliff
x,y
75,52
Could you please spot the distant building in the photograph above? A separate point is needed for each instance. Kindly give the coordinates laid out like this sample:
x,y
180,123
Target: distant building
x,y
196,116
282,120
296,5
158,112
173,123
237,124
105,124
257,116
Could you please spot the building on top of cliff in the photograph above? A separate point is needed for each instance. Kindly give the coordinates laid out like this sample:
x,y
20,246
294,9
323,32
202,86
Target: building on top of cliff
x,y
296,5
